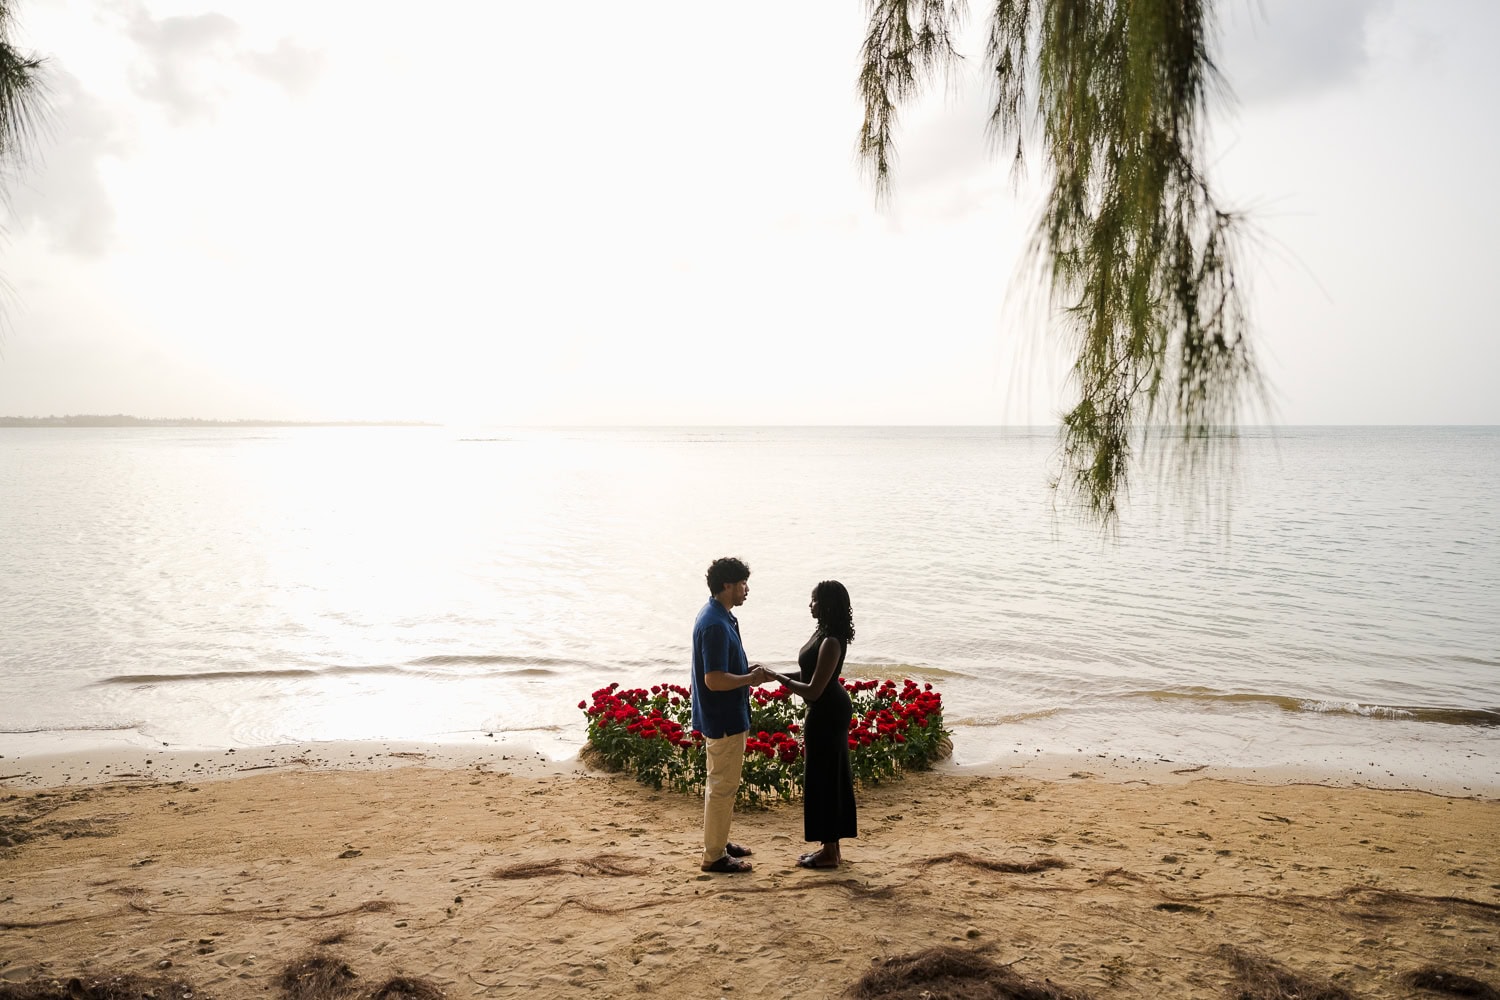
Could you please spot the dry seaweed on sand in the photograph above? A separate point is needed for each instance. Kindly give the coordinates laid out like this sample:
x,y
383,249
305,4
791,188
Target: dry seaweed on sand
x,y
324,977
1005,867
316,977
610,865
1436,980
313,977
1260,978
945,973
123,987
406,988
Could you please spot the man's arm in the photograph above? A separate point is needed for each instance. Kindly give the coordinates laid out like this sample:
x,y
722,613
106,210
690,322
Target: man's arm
x,y
723,680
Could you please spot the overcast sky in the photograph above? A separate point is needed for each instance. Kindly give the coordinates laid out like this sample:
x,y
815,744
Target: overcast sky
x,y
592,212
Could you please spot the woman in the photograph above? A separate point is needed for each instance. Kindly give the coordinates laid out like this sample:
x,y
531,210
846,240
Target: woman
x,y
828,782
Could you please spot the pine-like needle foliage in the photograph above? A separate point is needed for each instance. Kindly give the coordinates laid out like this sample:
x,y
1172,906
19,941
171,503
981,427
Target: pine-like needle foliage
x,y
21,108
20,93
1139,260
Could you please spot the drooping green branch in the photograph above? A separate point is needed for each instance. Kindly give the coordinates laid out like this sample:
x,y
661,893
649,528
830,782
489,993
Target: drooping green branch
x,y
1139,260
907,41
21,106
20,93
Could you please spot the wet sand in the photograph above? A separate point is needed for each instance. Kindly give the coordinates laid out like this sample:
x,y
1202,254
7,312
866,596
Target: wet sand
x,y
499,873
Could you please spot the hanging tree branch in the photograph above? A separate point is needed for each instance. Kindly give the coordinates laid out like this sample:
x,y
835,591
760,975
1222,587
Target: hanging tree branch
x,y
1139,260
20,93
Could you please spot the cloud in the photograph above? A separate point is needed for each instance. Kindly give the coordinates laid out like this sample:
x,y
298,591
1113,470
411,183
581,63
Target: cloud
x,y
183,60
62,192
190,62
1275,50
292,66
942,142
185,65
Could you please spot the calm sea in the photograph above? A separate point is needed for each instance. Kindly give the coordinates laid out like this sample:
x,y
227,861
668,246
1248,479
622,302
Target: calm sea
x,y
251,587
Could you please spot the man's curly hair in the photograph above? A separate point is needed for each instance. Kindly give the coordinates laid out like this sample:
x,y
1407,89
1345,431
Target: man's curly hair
x,y
726,570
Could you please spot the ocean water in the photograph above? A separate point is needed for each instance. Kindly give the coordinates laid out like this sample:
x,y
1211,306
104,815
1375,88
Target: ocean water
x,y
239,587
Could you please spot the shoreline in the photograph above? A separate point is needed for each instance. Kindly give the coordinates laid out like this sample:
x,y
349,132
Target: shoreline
x,y
42,761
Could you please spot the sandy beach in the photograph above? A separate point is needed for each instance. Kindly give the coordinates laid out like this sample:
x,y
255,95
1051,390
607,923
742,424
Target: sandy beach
x,y
380,870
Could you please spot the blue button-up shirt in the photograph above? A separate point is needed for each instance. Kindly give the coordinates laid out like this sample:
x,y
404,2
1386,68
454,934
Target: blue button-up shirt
x,y
717,646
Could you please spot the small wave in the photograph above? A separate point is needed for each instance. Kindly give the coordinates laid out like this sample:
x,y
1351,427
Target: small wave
x,y
206,675
1288,703
529,667
485,659
236,675
1420,713
521,672
97,727
897,671
1006,720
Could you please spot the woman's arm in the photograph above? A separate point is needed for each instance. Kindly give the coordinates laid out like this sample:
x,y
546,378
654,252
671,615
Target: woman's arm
x,y
828,661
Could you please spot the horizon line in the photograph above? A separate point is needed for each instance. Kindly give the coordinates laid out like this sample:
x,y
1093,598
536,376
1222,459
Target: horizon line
x,y
97,420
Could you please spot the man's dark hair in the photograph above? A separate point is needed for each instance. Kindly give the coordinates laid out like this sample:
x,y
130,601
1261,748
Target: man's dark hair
x,y
726,570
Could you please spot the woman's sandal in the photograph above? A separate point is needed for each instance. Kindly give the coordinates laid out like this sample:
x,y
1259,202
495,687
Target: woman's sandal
x,y
728,866
811,861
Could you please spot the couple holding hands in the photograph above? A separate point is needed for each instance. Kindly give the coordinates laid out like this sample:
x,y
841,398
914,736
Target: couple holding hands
x,y
722,678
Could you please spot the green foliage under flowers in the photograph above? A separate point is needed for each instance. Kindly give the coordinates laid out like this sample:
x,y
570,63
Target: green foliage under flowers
x,y
648,733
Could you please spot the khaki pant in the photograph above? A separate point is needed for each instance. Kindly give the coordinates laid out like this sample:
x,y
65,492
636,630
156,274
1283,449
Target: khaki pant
x,y
726,758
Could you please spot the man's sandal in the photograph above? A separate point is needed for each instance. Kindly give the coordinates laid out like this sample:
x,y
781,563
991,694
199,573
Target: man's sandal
x,y
728,866
736,851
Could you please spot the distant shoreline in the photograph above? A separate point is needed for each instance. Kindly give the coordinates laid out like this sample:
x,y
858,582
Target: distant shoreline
x,y
120,420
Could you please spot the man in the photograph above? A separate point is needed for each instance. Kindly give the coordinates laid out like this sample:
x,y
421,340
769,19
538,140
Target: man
x,y
722,678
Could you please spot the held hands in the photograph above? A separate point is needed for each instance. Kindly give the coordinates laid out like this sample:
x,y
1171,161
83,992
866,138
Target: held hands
x,y
765,675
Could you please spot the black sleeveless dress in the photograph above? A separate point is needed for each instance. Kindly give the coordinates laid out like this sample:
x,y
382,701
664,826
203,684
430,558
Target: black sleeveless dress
x,y
828,781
